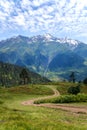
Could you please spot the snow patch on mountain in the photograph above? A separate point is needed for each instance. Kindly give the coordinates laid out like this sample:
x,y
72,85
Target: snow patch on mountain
x,y
69,41
48,37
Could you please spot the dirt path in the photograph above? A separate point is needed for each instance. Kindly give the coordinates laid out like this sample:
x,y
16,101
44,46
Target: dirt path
x,y
66,107
31,102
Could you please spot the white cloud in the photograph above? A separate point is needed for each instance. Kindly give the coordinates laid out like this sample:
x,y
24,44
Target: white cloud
x,y
44,15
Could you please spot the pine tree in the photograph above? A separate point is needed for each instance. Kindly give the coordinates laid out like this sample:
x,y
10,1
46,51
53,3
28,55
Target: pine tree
x,y
24,77
72,77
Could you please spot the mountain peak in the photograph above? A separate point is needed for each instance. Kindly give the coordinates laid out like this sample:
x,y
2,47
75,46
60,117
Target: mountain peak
x,y
47,35
21,37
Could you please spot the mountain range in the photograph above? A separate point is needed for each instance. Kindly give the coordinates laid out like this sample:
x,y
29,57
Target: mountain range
x,y
47,55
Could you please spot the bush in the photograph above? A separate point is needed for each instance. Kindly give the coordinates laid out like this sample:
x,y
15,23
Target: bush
x,y
65,99
74,90
85,81
1,102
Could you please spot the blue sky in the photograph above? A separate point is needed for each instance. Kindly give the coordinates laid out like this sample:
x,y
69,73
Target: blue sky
x,y
61,18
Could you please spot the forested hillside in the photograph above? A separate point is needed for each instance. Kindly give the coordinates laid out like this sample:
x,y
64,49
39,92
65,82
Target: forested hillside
x,y
10,75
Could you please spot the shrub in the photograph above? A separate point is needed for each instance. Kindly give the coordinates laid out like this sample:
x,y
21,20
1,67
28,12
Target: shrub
x,y
74,90
65,99
85,81
1,102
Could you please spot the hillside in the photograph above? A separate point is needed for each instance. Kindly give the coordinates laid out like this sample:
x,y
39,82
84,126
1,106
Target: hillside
x,y
10,75
47,55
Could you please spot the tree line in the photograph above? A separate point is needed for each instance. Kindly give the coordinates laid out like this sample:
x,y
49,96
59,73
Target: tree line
x,y
13,75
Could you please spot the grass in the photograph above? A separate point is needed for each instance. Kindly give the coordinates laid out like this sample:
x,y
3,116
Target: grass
x,y
31,89
15,116
34,118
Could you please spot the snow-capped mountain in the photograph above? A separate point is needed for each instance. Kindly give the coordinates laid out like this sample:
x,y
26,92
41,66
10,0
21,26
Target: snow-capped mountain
x,y
44,53
69,41
42,38
47,38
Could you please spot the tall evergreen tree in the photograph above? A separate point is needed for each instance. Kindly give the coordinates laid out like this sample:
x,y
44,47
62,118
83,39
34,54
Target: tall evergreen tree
x,y
72,77
24,77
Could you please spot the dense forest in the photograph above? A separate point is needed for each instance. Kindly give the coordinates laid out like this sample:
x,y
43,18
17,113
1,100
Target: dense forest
x,y
13,75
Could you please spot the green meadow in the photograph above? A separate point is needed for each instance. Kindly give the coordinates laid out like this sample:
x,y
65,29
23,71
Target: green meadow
x,y
15,116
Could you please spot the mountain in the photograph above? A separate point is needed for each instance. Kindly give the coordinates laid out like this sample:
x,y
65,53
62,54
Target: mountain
x,y
46,54
10,75
69,60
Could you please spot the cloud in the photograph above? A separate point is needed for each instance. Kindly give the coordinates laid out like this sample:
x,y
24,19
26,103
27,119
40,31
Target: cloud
x,y
56,17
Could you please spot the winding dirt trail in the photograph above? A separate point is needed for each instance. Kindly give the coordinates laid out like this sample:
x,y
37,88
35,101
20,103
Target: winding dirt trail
x,y
31,102
66,107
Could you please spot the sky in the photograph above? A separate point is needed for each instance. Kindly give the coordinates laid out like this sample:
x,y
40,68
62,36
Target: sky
x,y
60,18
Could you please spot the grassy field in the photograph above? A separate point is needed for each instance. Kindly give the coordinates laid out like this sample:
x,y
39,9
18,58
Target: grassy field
x,y
62,87
15,116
